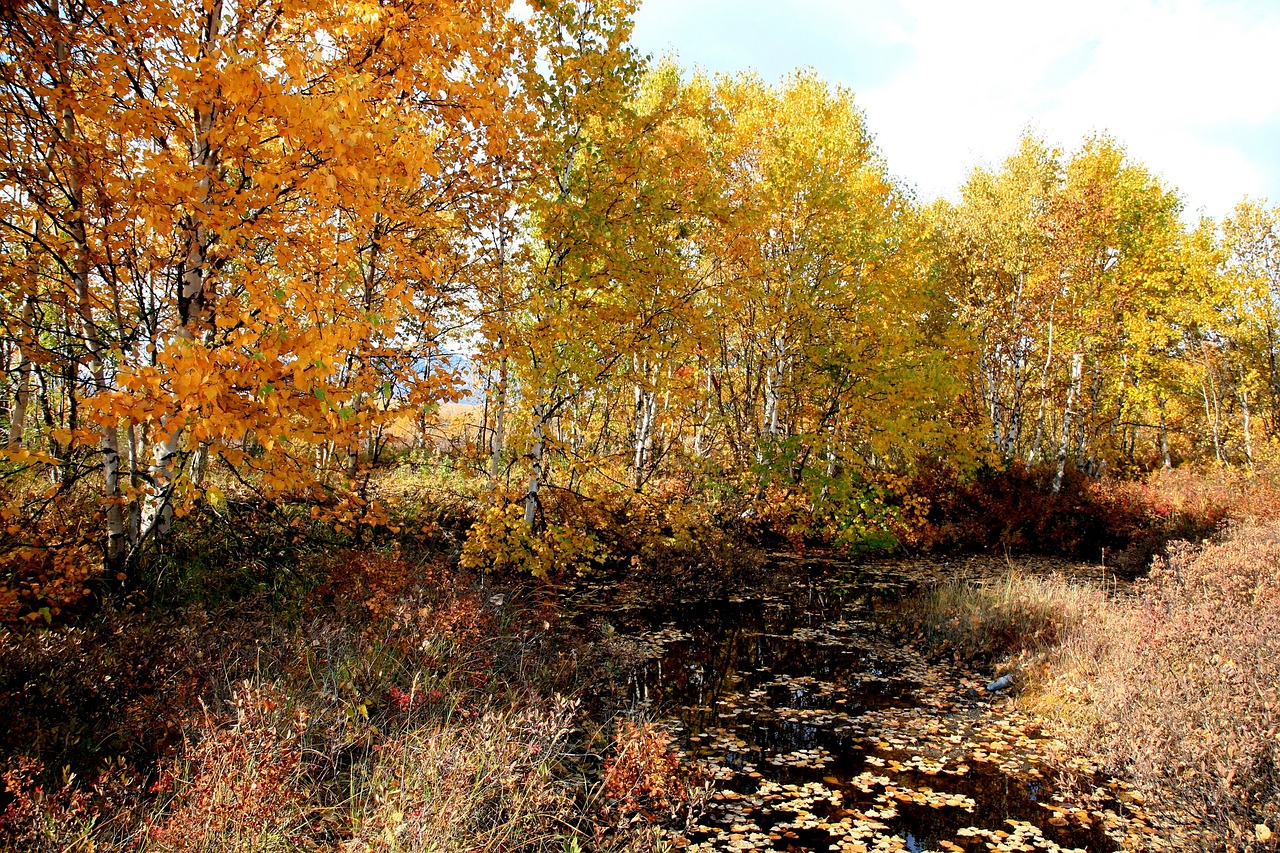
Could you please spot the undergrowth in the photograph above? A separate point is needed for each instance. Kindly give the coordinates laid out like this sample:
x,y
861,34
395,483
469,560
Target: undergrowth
x,y
1172,681
268,681
399,706
1177,685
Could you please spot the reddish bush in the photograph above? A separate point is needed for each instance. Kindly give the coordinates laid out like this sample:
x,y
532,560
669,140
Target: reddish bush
x,y
645,777
1015,509
39,813
413,599
239,785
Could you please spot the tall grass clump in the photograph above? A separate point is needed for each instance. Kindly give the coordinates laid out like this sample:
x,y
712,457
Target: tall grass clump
x,y
1001,623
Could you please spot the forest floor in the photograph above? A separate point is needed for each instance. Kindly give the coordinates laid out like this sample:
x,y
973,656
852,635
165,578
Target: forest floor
x,y
786,702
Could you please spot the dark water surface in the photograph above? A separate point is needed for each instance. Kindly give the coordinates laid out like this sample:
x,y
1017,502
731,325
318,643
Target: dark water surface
x,y
824,732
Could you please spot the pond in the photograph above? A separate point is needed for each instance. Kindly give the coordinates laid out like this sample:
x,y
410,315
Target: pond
x,y
824,731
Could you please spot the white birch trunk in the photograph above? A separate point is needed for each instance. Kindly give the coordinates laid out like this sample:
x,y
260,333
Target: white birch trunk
x,y
1212,411
199,465
1077,369
134,520
1044,398
157,514
1164,439
646,413
193,310
699,436
1248,438
75,227
499,436
536,472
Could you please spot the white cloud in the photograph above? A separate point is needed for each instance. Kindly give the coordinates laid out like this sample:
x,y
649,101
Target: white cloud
x,y
1191,87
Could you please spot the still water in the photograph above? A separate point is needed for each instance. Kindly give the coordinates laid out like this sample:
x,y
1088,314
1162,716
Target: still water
x,y
824,730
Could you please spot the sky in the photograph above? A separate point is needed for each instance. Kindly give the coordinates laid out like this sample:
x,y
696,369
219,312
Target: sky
x,y
1191,88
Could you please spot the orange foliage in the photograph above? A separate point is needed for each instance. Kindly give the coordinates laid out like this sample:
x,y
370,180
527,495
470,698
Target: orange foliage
x,y
49,559
645,777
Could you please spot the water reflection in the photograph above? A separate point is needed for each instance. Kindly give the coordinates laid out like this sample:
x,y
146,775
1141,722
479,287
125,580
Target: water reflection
x,y
826,733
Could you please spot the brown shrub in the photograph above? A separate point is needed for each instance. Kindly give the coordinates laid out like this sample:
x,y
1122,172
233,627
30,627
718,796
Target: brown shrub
x,y
1015,510
405,709
381,589
1235,494
118,688
1177,684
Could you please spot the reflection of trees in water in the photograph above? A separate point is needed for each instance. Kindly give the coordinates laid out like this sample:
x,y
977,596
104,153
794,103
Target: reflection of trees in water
x,y
787,697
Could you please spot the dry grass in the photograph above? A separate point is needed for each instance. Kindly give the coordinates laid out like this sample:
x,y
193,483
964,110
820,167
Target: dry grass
x,y
1176,684
275,777
1173,682
487,784
1005,623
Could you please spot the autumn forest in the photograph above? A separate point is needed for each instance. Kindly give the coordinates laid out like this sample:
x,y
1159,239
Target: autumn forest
x,y
392,304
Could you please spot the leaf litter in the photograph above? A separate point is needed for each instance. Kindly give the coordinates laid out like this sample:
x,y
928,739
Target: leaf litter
x,y
823,732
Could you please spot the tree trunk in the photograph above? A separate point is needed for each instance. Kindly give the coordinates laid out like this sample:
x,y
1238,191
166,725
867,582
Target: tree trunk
x,y
1082,425
536,454
499,422
770,410
134,521
1248,438
194,306
22,393
195,309
1077,369
700,434
50,424
109,443
499,437
646,410
1212,411
199,464
1044,397
1273,375
1164,439
75,228
157,515
353,457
